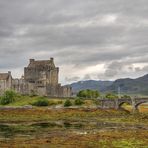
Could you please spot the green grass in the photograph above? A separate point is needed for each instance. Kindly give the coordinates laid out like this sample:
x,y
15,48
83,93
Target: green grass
x,y
27,100
24,100
130,143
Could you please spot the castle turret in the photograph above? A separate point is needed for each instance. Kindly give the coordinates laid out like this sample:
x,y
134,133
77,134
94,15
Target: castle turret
x,y
31,60
9,73
52,59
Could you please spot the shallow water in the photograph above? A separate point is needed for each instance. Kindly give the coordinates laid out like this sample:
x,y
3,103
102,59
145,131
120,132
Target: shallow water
x,y
8,131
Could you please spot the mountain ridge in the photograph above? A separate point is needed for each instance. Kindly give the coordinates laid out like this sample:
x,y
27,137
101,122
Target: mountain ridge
x,y
127,85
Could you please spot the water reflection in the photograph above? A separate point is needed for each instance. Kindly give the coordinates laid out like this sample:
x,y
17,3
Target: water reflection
x,y
73,125
10,131
6,131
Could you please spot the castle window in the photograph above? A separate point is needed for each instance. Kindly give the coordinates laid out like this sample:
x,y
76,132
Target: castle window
x,y
31,81
39,82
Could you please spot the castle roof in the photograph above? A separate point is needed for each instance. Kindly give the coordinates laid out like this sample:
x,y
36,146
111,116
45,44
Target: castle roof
x,y
4,76
41,63
38,63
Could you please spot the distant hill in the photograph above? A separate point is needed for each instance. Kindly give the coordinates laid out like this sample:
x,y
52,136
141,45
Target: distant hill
x,y
131,86
127,85
90,84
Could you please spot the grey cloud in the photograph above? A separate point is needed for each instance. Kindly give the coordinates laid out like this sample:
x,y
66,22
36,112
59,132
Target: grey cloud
x,y
113,69
78,33
71,79
87,77
145,68
137,69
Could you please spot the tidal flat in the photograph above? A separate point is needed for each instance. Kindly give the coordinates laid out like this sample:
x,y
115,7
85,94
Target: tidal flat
x,y
72,128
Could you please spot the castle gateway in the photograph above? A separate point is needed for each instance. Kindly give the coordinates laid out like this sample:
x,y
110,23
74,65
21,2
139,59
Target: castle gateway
x,y
40,78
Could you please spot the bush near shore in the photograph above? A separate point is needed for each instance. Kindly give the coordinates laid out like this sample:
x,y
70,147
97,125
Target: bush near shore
x,y
9,96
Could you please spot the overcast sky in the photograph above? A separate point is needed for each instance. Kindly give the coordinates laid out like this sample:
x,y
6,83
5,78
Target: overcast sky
x,y
89,39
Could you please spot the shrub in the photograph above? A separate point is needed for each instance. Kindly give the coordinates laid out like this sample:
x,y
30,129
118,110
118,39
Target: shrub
x,y
79,102
111,96
88,94
60,102
126,96
41,102
67,103
55,102
51,102
96,101
8,97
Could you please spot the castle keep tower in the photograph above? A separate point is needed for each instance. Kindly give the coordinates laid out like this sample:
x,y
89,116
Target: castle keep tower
x,y
41,78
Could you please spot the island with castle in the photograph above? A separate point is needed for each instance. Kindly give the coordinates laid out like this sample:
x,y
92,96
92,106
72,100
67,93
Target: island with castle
x,y
40,78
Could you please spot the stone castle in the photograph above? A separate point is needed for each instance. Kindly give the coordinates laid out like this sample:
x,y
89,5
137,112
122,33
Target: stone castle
x,y
40,78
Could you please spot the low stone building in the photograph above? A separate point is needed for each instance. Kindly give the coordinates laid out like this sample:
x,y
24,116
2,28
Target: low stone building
x,y
5,81
40,78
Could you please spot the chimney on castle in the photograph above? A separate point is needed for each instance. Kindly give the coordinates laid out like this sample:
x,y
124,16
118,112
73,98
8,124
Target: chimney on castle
x,y
51,59
9,73
31,60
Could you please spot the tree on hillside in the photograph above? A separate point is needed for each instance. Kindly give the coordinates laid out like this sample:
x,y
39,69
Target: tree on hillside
x,y
88,94
111,96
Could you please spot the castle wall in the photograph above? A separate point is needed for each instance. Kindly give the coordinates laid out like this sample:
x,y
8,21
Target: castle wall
x,y
41,91
5,82
16,85
19,86
53,76
64,91
2,86
9,81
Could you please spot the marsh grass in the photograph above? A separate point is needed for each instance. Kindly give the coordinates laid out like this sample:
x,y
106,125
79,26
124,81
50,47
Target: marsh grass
x,y
72,127
68,128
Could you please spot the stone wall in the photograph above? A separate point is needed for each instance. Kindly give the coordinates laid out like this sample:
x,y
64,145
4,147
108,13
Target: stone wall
x,y
5,82
2,86
117,103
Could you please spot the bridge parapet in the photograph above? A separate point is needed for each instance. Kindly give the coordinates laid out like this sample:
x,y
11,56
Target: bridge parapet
x,y
116,103
108,103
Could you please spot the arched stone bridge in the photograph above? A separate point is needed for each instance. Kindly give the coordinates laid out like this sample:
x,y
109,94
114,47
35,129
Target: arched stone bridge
x,y
117,103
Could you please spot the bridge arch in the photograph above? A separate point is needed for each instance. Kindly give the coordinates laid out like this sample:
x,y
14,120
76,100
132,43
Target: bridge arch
x,y
121,103
139,103
124,102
